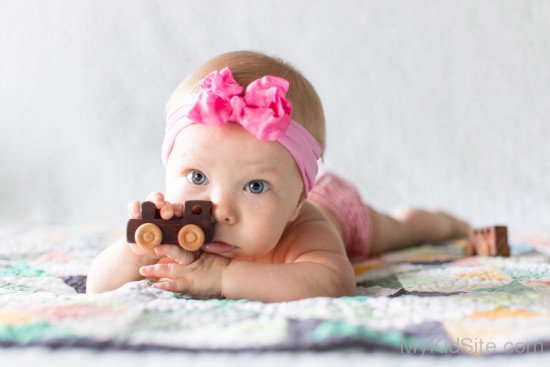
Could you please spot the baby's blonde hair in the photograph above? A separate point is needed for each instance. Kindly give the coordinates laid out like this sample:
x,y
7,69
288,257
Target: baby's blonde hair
x,y
247,66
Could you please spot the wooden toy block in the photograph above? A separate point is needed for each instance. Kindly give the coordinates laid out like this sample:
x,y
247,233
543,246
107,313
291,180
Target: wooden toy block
x,y
488,241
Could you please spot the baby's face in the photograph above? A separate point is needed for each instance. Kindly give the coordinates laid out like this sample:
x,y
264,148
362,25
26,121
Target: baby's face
x,y
255,186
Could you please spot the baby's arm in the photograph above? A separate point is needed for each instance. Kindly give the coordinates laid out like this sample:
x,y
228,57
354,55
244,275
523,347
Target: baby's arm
x,y
115,266
284,282
314,267
313,264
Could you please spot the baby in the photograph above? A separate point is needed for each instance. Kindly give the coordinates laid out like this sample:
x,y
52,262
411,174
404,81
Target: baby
x,y
245,131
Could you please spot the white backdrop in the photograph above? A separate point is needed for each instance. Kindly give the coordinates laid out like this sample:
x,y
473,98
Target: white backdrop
x,y
428,103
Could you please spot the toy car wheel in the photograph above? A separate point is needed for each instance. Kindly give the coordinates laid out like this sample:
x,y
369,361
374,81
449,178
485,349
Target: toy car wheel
x,y
148,235
191,237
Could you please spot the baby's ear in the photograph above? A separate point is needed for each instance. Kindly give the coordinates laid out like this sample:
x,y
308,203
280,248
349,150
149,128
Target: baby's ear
x,y
296,211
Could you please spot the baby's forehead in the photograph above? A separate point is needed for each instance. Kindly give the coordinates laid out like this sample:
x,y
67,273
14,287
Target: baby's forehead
x,y
229,143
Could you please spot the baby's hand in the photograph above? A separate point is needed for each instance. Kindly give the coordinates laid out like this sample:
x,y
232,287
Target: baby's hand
x,y
167,211
180,272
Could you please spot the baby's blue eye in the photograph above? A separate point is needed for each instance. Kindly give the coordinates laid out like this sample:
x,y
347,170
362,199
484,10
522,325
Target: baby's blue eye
x,y
196,177
256,187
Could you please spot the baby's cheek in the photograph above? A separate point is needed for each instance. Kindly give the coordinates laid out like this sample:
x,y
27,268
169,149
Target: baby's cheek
x,y
267,233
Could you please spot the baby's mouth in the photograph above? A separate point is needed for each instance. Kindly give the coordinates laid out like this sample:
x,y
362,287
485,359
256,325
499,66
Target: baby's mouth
x,y
217,247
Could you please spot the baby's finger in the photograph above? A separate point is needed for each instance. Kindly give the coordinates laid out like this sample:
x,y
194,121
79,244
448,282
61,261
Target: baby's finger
x,y
153,271
169,285
178,210
166,260
134,210
182,256
167,211
157,198
153,279
171,270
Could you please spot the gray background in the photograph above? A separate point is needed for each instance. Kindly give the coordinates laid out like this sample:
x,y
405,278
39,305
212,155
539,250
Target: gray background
x,y
428,103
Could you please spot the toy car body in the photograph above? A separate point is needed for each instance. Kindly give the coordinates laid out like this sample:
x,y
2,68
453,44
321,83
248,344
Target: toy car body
x,y
195,228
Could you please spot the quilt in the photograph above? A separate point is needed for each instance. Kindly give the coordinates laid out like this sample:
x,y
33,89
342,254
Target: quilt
x,y
428,299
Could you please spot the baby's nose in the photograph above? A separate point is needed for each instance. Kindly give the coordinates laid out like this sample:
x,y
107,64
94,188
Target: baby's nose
x,y
223,211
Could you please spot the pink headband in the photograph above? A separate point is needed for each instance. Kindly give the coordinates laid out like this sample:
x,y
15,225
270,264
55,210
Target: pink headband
x,y
263,111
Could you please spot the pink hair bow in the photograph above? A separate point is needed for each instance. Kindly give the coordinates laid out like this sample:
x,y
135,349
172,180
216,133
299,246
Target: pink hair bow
x,y
263,111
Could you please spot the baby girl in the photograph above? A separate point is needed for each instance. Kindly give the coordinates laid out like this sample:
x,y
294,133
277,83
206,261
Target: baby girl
x,y
245,131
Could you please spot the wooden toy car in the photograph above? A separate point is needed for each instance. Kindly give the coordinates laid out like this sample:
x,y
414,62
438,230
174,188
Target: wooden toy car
x,y
488,241
190,232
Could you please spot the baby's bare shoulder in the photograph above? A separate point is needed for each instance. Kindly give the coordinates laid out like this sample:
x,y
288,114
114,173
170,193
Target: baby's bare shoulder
x,y
311,233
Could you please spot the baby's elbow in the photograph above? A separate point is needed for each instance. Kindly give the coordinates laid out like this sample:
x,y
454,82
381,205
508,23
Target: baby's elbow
x,y
343,285
92,288
96,285
347,288
350,291
345,281
95,289
337,290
